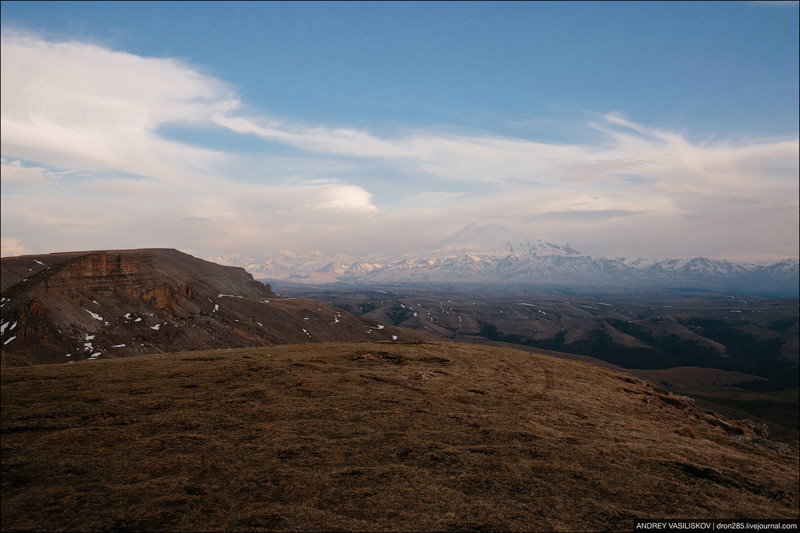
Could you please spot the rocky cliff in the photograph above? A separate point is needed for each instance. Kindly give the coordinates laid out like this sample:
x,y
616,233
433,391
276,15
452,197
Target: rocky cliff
x,y
58,308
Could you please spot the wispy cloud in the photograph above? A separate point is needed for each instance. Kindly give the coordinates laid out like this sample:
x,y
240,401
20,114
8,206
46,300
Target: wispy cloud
x,y
586,215
85,165
78,105
15,172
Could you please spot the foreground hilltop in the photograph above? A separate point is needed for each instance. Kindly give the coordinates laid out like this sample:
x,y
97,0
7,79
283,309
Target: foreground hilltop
x,y
371,436
64,307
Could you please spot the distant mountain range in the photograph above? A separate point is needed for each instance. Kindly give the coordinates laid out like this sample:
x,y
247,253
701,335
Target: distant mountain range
x,y
495,254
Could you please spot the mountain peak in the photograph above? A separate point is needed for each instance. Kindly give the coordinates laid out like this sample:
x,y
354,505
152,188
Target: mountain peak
x,y
493,239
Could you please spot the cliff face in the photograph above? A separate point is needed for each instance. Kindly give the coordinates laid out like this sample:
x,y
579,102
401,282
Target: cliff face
x,y
59,308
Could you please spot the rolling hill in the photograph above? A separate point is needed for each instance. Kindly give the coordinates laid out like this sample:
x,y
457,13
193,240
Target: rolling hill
x,y
736,355
371,437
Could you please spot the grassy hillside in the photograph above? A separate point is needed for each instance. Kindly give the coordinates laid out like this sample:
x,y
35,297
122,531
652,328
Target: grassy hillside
x,y
726,349
370,436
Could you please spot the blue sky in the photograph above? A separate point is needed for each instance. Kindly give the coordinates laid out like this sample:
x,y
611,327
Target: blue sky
x,y
632,128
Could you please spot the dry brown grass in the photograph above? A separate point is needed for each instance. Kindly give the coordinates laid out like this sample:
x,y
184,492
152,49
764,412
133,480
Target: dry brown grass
x,y
368,436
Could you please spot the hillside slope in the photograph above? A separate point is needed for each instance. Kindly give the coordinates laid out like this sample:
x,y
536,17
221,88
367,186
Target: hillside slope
x,y
58,308
371,436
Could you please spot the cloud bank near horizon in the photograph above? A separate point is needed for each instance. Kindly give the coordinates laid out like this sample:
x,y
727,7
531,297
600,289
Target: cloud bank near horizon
x,y
98,153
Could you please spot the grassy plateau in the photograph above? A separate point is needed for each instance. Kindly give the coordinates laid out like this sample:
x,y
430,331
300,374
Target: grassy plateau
x,y
370,436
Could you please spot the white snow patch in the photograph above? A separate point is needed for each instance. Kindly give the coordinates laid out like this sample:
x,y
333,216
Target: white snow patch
x,y
118,346
37,261
307,333
264,301
380,326
138,319
157,326
13,326
89,337
259,323
95,355
69,355
127,316
394,337
9,340
95,301
523,303
229,296
216,308
3,328
415,314
94,315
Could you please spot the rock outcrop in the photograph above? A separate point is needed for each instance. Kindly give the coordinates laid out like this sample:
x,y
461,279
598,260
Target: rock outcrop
x,y
59,308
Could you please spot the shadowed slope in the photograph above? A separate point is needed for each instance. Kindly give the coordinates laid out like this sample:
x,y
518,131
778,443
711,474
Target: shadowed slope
x,y
370,436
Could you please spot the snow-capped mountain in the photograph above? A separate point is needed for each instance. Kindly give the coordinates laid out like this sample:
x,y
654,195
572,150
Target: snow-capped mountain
x,y
492,239
495,253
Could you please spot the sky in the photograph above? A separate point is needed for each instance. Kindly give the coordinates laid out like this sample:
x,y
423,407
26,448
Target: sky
x,y
626,129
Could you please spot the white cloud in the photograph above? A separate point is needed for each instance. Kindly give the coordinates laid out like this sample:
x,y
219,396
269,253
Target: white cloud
x,y
11,247
77,105
348,198
634,190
